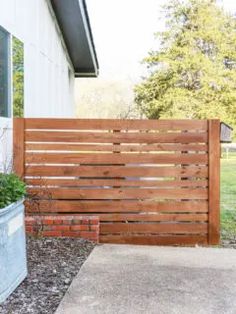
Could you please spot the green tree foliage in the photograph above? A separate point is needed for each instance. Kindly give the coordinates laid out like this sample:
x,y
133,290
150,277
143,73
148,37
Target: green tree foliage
x,y
18,77
12,189
193,74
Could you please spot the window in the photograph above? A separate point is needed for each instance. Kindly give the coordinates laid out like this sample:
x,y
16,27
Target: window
x,y
4,74
11,91
18,77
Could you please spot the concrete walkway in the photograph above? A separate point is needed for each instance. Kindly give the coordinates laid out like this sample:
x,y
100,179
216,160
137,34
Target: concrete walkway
x,y
125,279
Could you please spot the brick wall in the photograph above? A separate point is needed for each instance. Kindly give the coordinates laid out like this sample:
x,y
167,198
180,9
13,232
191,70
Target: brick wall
x,y
86,227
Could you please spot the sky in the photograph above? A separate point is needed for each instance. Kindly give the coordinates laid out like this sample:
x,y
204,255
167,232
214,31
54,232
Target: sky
x,y
123,32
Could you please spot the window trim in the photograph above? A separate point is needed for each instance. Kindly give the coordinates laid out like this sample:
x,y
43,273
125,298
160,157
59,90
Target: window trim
x,y
9,74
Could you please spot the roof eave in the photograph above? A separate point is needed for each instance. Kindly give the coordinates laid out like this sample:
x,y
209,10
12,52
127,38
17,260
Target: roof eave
x,y
75,26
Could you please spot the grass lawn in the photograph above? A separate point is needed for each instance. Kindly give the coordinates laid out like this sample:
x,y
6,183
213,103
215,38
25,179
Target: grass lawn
x,y
228,196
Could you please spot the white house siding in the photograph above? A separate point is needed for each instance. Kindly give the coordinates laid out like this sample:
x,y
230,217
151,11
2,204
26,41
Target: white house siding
x,y
49,77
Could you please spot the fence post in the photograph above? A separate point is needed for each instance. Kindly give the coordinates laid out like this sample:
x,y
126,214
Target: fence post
x,y
19,146
214,181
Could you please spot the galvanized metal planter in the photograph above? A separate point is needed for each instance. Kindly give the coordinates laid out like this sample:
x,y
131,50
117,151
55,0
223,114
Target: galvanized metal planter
x,y
13,267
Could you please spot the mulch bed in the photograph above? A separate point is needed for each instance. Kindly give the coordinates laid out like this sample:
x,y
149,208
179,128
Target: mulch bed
x,y
52,264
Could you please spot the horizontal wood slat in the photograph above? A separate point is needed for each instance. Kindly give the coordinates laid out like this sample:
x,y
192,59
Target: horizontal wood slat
x,y
176,228
116,148
154,239
96,137
117,171
64,193
153,217
114,124
111,182
110,206
66,158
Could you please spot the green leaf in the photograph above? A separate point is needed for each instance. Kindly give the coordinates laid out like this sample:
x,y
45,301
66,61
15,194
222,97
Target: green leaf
x,y
12,189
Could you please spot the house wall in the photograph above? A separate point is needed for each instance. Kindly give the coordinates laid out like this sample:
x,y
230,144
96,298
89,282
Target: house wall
x,y
49,76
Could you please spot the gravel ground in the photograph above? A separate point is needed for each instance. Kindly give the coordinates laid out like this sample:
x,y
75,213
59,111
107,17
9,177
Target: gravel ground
x,y
52,264
229,242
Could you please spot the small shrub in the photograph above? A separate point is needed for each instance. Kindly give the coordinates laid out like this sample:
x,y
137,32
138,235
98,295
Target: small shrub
x,y
12,189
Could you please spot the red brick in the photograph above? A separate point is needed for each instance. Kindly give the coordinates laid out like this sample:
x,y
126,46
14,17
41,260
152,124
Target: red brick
x,y
57,221
90,237
94,239
94,221
76,221
79,228
47,221
94,227
64,225
87,234
29,229
70,234
47,227
32,233
67,221
66,217
29,221
52,233
60,227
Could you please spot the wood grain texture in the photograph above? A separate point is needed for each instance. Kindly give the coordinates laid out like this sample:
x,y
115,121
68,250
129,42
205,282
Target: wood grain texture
x,y
108,137
148,239
109,206
113,193
18,147
170,228
118,182
113,148
122,158
214,182
117,171
153,217
114,124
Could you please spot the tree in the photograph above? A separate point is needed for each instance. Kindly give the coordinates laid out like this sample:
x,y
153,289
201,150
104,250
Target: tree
x,y
18,77
102,98
193,74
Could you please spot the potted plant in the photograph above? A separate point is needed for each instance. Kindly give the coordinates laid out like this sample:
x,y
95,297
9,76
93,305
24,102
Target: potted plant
x,y
13,268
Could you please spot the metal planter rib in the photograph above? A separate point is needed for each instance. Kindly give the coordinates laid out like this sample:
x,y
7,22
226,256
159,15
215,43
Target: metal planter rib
x,y
13,265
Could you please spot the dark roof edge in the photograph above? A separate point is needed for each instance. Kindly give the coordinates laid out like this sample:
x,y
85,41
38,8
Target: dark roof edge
x,y
87,66
90,32
86,74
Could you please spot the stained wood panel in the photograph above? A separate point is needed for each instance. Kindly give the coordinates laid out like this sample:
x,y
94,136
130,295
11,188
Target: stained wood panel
x,y
114,148
149,181
108,137
112,206
19,147
67,158
119,194
170,228
118,182
111,171
114,124
214,181
153,217
155,239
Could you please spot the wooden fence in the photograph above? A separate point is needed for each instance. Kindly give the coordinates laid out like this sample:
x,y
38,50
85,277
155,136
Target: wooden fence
x,y
149,181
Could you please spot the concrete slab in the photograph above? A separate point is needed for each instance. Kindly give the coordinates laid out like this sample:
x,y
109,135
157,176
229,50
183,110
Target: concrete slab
x,y
125,279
